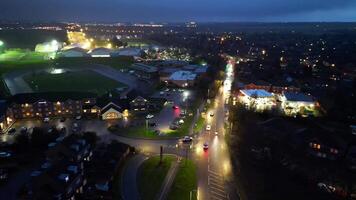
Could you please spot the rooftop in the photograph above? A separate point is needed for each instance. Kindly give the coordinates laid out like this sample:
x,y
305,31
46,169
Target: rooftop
x,y
256,93
297,97
182,76
145,68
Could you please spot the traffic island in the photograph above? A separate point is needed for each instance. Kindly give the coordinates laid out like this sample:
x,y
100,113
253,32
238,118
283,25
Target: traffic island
x,y
185,182
152,174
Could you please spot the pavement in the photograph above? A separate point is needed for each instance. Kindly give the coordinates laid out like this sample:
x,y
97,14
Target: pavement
x,y
129,180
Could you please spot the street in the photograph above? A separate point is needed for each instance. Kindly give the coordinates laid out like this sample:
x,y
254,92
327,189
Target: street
x,y
214,164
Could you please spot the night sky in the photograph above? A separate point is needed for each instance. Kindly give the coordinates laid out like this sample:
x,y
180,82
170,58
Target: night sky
x,y
178,10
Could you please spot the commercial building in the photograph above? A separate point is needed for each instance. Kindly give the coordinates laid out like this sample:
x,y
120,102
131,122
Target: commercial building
x,y
74,52
100,52
257,99
183,78
145,71
297,103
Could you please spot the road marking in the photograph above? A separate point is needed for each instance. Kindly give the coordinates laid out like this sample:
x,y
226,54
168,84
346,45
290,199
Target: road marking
x,y
218,194
218,189
213,172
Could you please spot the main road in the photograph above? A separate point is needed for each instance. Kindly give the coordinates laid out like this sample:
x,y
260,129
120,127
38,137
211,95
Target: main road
x,y
215,177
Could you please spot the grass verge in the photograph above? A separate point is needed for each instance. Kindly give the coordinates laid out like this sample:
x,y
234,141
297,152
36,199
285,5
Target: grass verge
x,y
152,175
185,183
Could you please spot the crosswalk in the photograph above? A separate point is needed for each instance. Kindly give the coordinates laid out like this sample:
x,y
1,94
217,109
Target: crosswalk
x,y
216,186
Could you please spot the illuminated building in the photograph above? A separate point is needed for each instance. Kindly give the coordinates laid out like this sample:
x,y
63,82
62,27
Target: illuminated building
x,y
257,99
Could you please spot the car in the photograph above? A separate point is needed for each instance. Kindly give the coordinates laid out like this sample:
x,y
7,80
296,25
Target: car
x,y
216,133
211,114
152,124
181,121
205,146
187,139
173,127
208,127
78,117
46,120
161,93
23,129
50,130
63,119
3,174
4,154
149,116
11,131
175,107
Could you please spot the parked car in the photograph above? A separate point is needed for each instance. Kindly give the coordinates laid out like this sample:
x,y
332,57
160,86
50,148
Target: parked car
x,y
5,154
208,127
149,116
46,120
78,117
175,107
12,131
211,114
23,129
173,127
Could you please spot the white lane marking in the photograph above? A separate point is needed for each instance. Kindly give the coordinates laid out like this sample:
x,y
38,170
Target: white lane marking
x,y
218,194
218,189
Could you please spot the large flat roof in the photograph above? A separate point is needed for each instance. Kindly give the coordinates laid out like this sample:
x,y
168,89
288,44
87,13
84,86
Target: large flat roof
x,y
182,76
290,96
256,93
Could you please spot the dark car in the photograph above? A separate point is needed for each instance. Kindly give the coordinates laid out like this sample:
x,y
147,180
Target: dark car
x,y
63,119
175,107
12,131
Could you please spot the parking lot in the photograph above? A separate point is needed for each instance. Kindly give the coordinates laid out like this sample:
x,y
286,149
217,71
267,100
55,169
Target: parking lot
x,y
168,114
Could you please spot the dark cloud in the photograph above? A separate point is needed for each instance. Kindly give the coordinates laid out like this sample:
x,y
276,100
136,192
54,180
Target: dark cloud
x,y
173,10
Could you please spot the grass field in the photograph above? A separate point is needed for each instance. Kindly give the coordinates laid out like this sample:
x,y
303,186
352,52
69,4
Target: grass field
x,y
185,182
71,81
152,175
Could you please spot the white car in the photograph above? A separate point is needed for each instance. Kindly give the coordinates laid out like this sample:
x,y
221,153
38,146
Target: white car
x,y
187,139
78,117
208,127
46,120
149,116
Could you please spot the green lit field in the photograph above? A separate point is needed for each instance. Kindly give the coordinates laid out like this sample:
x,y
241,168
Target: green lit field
x,y
87,81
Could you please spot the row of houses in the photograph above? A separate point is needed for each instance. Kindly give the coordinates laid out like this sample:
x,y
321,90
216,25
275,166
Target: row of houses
x,y
311,140
73,169
58,104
